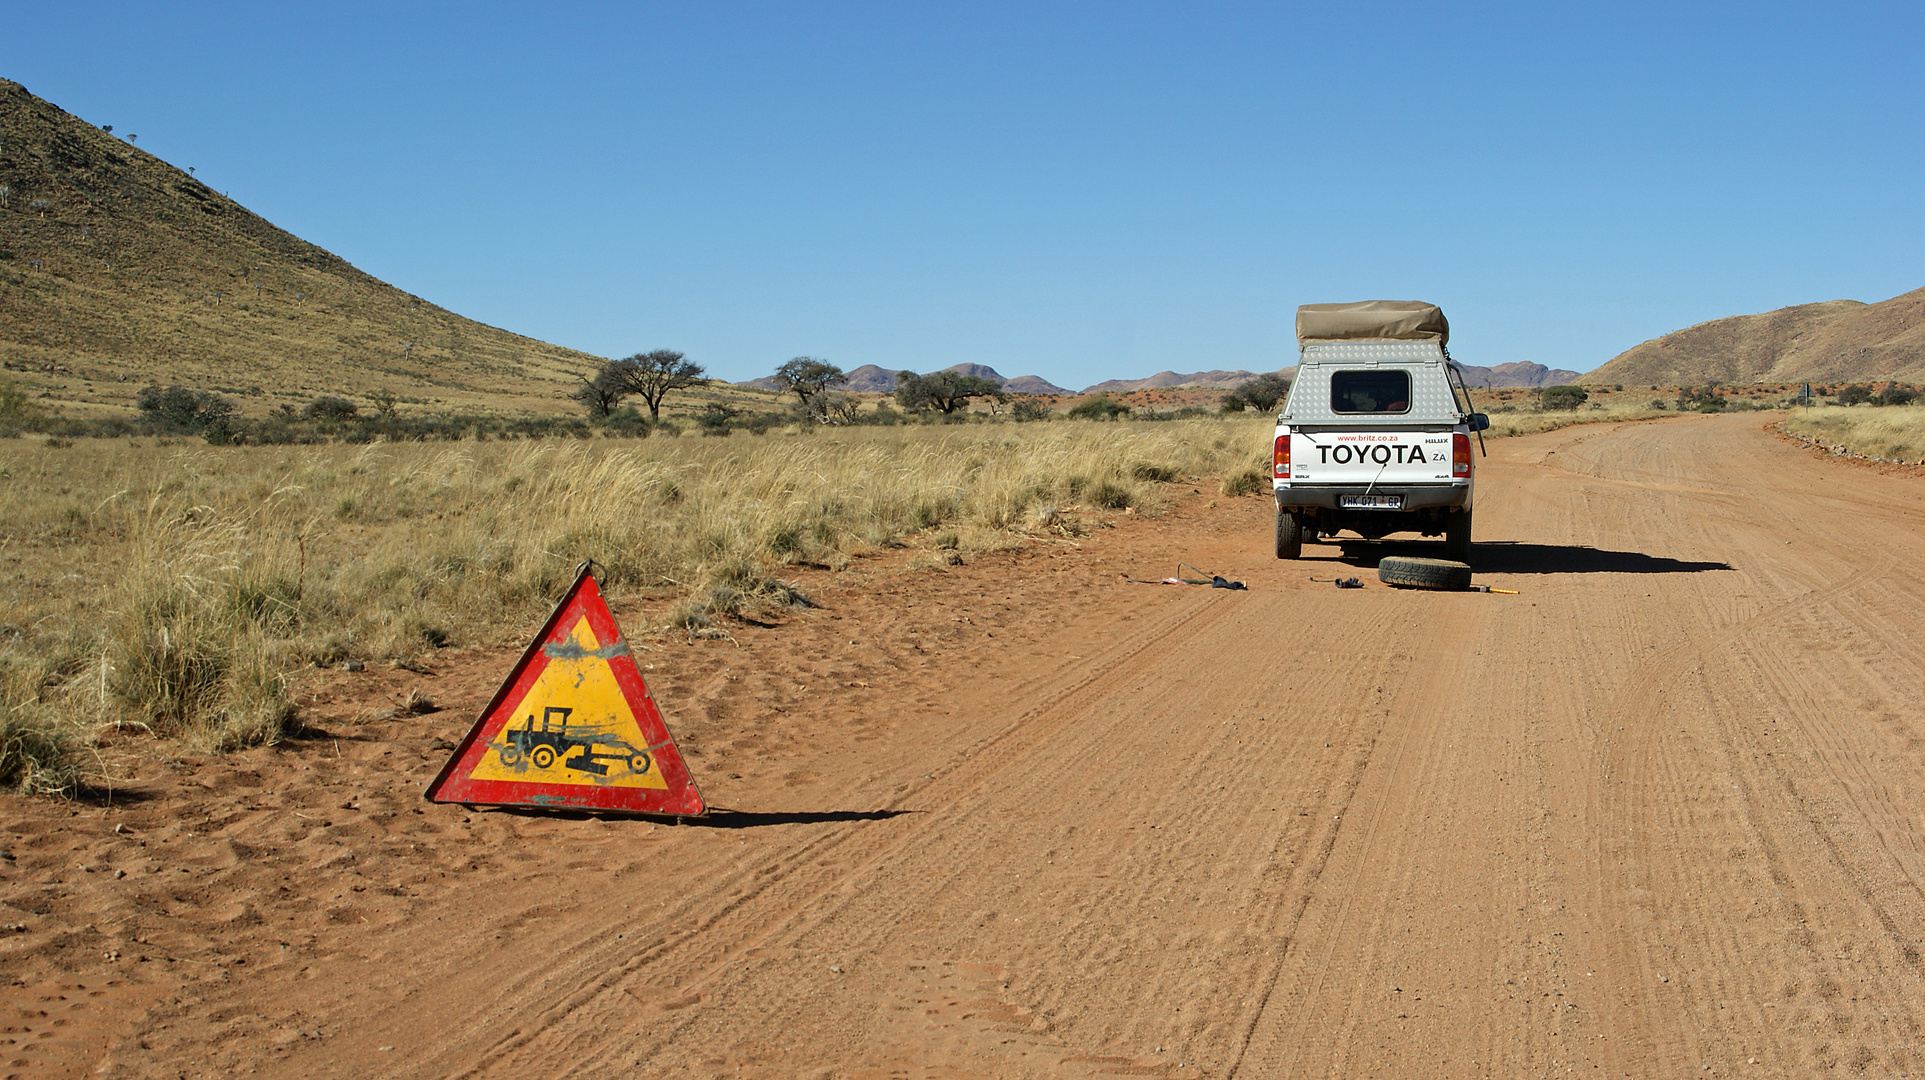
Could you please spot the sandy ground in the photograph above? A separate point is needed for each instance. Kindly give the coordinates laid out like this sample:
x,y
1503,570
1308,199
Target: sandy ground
x,y
1660,814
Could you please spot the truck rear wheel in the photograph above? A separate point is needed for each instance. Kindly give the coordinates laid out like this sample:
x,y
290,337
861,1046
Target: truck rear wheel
x,y
1457,536
1289,535
1414,573
542,756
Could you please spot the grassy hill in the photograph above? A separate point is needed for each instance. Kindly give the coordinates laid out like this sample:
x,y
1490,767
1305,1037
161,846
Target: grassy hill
x,y
1835,341
118,270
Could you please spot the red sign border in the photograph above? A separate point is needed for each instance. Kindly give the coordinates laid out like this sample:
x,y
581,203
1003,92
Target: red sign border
x,y
455,784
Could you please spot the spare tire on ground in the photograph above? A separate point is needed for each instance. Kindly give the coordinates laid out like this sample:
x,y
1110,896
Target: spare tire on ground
x,y
1413,573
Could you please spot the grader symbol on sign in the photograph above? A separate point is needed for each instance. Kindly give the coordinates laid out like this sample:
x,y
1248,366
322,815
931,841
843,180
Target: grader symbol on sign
x,y
542,745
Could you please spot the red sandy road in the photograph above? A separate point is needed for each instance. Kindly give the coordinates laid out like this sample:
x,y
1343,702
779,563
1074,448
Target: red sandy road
x,y
1649,817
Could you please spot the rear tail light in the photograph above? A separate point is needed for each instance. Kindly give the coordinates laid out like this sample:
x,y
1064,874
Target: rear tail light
x,y
1460,455
1281,469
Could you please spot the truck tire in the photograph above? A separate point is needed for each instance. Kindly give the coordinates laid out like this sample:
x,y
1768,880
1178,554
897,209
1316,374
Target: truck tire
x,y
542,756
1289,535
1457,536
1414,573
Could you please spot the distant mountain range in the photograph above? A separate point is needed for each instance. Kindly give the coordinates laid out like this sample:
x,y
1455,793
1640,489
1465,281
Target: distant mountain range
x,y
1833,341
1167,380
1521,373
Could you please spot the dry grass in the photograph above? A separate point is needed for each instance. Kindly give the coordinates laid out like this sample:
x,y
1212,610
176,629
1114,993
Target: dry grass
x,y
176,586
1889,433
1515,412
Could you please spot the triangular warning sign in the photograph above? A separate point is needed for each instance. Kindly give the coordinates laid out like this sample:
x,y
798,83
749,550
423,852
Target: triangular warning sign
x,y
573,727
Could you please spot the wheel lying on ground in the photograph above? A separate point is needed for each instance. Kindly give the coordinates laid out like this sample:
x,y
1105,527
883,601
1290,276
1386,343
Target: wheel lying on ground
x,y
1414,573
1289,535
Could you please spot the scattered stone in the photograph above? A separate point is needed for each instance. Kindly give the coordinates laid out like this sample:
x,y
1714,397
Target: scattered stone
x,y
353,665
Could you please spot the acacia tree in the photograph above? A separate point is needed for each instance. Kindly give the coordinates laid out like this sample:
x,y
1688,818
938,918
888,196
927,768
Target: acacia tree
x,y
1263,392
808,376
651,375
945,391
600,393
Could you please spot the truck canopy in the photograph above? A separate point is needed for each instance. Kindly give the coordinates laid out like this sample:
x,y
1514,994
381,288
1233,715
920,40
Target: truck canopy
x,y
1372,320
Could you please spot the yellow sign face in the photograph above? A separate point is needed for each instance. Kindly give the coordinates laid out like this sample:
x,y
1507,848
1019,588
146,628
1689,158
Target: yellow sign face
x,y
574,726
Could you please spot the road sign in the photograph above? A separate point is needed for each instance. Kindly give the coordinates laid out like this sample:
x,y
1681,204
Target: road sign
x,y
572,727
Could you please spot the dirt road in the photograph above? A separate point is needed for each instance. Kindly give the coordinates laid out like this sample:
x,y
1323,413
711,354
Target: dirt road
x,y
1660,814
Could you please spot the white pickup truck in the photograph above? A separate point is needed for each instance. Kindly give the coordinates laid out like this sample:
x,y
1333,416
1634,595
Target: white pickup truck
x,y
1375,435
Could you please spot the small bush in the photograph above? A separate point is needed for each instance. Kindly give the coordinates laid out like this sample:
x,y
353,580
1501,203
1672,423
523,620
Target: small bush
x,y
1561,398
1108,495
627,423
1704,400
1245,482
330,407
36,756
714,418
1897,395
17,412
178,409
1026,411
1099,407
1855,395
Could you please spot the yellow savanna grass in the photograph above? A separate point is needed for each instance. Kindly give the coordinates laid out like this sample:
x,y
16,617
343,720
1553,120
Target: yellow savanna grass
x,y
1892,432
177,586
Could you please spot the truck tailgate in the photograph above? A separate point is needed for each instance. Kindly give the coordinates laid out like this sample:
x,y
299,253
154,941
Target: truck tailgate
x,y
1370,457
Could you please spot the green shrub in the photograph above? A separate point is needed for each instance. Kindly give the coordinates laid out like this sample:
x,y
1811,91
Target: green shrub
x,y
1099,407
331,407
1561,398
1263,392
16,411
1025,411
176,408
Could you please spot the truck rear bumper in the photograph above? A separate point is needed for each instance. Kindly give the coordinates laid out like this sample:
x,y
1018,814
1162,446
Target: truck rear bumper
x,y
1416,496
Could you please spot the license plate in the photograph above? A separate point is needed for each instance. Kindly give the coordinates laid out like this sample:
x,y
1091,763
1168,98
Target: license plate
x,y
1371,502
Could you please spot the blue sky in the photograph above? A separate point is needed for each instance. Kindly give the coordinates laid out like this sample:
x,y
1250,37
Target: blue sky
x,y
1077,191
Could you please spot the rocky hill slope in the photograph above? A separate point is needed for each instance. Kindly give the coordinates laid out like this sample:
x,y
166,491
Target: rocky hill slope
x,y
118,270
1834,341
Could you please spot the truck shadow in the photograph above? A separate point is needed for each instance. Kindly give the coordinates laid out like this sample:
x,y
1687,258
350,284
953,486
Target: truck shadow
x,y
1512,557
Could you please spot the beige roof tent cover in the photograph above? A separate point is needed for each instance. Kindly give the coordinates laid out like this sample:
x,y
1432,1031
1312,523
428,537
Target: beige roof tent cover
x,y
1397,320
